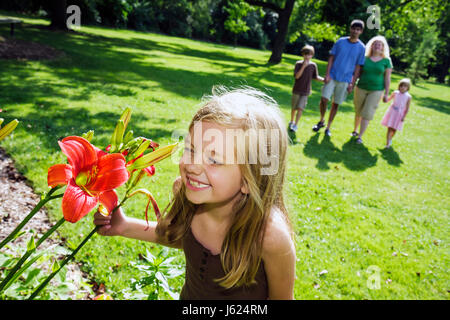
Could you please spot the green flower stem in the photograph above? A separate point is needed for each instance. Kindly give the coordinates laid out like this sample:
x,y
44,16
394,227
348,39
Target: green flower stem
x,y
5,282
66,260
70,257
41,203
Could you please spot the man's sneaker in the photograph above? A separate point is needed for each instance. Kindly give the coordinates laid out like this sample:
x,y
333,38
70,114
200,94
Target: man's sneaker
x,y
319,125
294,128
327,132
359,141
354,134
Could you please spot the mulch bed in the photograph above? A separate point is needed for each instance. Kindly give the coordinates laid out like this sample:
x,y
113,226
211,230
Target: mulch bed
x,y
17,199
26,50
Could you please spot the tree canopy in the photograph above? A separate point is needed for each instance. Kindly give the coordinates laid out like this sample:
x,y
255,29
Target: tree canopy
x,y
416,30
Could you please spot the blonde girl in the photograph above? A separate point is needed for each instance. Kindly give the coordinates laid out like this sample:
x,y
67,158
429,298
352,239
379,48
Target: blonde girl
x,y
228,212
395,115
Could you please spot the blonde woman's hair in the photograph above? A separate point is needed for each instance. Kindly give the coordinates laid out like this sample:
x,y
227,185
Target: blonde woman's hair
x,y
406,82
244,108
369,44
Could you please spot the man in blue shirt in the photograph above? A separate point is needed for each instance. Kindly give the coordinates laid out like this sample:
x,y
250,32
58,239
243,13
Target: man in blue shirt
x,y
344,65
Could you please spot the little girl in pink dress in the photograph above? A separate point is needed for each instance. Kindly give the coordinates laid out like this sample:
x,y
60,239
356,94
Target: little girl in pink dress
x,y
396,113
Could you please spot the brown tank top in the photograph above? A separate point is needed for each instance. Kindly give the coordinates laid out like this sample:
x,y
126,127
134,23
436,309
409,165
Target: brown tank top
x,y
202,268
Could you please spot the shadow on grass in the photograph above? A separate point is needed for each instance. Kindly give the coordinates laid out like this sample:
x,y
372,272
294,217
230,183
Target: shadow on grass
x,y
50,123
120,67
391,156
353,156
292,137
117,66
433,103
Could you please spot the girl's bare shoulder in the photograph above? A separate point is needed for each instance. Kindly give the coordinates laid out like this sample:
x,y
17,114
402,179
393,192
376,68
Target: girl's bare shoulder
x,y
277,237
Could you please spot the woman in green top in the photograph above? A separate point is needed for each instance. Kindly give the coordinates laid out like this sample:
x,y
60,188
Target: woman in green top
x,y
375,79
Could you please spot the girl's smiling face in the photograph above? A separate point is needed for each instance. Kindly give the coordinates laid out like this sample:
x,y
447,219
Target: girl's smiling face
x,y
208,177
403,88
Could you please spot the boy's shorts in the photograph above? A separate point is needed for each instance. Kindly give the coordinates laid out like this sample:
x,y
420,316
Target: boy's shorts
x,y
299,101
336,88
366,102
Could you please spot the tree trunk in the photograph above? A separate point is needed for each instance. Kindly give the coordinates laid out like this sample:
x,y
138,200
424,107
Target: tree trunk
x,y
57,10
284,14
444,71
282,26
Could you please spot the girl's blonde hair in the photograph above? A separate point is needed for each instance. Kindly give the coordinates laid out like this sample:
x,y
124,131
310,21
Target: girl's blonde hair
x,y
244,108
405,81
369,44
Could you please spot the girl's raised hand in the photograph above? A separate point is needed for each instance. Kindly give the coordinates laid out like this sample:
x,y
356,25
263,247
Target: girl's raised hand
x,y
112,225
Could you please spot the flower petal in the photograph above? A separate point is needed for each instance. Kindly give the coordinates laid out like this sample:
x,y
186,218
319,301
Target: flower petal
x,y
100,152
80,153
109,200
76,203
149,170
111,173
59,174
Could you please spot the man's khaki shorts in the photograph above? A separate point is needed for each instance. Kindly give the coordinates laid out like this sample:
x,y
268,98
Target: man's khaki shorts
x,y
336,88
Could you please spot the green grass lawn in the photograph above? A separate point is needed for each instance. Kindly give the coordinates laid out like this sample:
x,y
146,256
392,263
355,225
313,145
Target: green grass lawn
x,y
355,208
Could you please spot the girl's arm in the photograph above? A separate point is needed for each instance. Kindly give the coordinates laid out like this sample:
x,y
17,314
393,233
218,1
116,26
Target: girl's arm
x,y
407,109
387,83
118,224
279,259
391,97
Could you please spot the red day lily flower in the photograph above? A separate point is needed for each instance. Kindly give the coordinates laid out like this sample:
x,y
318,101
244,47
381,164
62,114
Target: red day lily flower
x,y
91,176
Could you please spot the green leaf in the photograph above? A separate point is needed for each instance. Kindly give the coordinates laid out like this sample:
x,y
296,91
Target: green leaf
x,y
55,265
8,128
149,257
165,286
26,266
174,272
7,261
153,296
31,245
31,275
88,135
128,137
62,274
117,136
142,147
125,117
